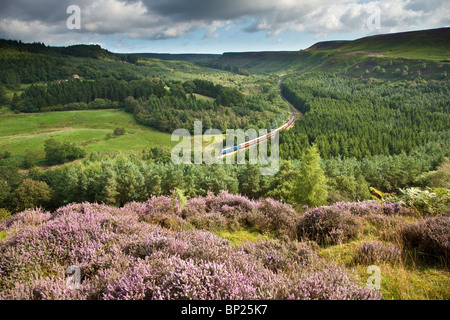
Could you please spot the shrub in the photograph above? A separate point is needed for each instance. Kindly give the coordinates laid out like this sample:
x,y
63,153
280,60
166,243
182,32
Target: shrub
x,y
280,256
377,252
57,152
230,205
431,235
276,217
371,208
119,131
4,214
387,227
428,202
328,225
163,210
123,256
235,211
32,193
209,221
330,283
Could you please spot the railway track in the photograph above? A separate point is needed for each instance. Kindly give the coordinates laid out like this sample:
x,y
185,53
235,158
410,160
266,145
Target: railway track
x,y
243,146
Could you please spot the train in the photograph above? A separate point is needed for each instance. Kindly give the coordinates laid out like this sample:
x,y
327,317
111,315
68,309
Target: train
x,y
247,144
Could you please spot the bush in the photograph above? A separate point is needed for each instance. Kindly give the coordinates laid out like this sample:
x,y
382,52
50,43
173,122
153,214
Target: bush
x,y
281,256
163,210
119,131
58,153
431,235
5,155
277,217
31,194
376,252
122,256
328,225
4,214
330,283
235,211
32,158
427,202
371,208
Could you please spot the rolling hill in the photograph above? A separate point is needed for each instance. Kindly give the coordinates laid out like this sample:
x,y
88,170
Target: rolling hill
x,y
432,46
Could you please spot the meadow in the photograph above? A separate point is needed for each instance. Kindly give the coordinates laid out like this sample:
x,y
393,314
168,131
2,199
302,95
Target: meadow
x,y
20,133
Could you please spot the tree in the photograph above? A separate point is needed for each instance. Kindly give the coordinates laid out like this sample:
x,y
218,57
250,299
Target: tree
x,y
283,183
3,98
31,194
437,179
4,192
57,152
119,131
32,157
250,181
311,187
129,182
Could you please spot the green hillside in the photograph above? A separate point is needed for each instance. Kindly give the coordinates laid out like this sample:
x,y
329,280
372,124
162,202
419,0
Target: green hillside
x,y
431,47
431,44
91,129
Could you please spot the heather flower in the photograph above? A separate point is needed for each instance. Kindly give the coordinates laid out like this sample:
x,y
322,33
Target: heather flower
x,y
330,283
431,235
377,252
280,256
371,207
122,253
328,225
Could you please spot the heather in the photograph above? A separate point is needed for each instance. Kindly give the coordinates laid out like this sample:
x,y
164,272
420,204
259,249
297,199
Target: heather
x,y
123,254
377,252
431,236
217,212
329,225
168,247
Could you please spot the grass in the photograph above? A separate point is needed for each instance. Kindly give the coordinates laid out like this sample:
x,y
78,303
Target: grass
x,y
398,282
410,279
202,97
407,280
2,235
430,46
239,237
23,132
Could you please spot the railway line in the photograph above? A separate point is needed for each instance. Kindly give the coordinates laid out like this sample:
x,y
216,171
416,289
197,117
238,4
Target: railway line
x,y
243,146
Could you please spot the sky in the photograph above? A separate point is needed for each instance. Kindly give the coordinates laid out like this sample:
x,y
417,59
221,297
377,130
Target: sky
x,y
212,26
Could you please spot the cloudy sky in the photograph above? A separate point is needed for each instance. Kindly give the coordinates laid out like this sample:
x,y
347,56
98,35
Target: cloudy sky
x,y
214,26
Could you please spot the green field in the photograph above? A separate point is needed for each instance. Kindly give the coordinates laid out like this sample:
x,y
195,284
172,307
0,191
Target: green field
x,y
22,132
202,97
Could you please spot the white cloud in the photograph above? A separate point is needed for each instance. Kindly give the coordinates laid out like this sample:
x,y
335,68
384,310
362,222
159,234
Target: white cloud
x,y
45,20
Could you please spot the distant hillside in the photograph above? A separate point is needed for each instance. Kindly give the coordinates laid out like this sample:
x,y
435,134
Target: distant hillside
x,y
36,62
81,50
327,45
432,46
188,57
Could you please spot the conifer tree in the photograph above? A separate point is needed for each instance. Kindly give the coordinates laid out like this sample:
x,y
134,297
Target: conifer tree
x,y
310,187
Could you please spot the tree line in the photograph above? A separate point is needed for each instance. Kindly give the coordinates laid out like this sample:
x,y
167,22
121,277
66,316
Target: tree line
x,y
163,104
311,181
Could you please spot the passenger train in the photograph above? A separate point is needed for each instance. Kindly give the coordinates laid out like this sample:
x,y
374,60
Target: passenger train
x,y
248,144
